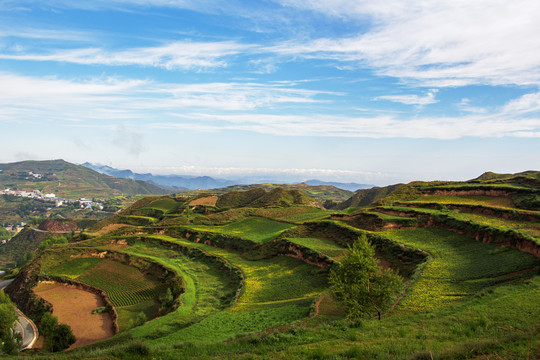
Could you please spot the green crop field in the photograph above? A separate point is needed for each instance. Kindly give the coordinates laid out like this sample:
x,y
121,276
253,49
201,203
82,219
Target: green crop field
x,y
294,213
459,267
467,200
254,228
124,284
322,246
165,205
531,228
75,267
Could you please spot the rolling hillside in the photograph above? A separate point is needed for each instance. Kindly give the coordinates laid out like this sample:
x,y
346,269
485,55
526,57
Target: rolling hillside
x,y
320,193
68,180
249,278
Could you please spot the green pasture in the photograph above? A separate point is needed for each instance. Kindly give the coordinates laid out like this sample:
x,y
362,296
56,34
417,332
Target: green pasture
x,y
254,228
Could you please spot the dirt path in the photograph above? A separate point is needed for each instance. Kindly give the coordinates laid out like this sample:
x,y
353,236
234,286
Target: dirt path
x,y
74,307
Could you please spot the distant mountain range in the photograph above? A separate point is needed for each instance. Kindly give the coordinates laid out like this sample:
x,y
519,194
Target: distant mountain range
x,y
174,182
187,182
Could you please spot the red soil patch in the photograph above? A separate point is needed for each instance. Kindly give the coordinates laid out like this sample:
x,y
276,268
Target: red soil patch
x,y
74,307
208,200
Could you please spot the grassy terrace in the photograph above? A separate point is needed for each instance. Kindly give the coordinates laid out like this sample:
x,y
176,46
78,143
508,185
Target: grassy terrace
x,y
502,202
531,228
277,291
459,267
254,228
323,246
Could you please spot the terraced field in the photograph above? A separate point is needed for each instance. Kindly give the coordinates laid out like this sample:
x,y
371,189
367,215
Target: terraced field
x,y
255,280
276,291
459,267
495,201
128,289
322,246
257,229
124,284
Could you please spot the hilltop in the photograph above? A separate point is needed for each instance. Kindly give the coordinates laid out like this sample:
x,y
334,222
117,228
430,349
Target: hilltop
x,y
320,193
68,180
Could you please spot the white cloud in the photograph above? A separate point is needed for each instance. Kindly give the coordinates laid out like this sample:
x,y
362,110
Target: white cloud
x,y
46,34
175,55
465,105
527,103
429,98
380,127
106,99
437,43
233,106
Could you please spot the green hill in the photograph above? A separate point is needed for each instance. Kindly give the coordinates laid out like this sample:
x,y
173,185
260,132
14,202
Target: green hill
x,y
68,180
320,193
258,198
523,189
487,176
366,197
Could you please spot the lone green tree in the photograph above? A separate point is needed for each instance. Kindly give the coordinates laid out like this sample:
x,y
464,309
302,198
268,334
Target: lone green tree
x,y
361,285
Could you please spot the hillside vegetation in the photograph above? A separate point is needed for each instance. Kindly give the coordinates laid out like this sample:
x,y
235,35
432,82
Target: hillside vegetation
x,y
320,193
246,275
69,180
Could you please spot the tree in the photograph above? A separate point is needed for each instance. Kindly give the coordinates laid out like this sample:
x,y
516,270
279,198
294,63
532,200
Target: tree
x,y
141,319
361,284
7,319
167,299
57,336
48,324
62,338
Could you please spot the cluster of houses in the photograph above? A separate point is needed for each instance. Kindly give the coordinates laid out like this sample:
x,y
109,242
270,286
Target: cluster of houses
x,y
58,201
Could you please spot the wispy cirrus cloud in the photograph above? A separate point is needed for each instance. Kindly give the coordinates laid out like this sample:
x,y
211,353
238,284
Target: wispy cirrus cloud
x,y
381,127
235,106
108,99
414,99
526,104
433,44
175,55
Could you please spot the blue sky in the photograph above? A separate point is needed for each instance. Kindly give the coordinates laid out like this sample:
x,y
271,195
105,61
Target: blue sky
x,y
365,91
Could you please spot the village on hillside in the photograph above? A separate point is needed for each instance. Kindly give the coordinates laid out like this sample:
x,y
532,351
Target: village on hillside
x,y
82,203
